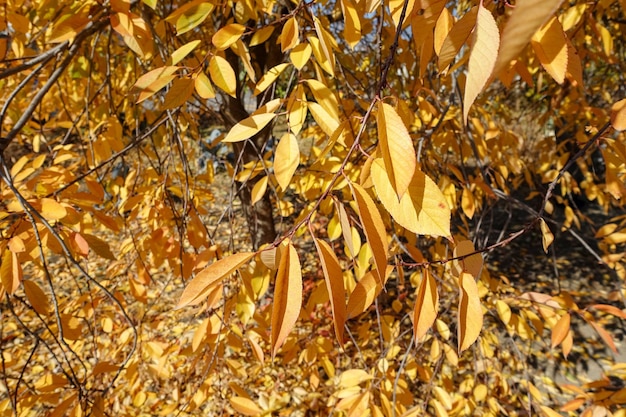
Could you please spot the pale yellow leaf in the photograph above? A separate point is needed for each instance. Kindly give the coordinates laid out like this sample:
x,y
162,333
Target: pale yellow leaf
x,y
346,229
252,125
203,86
618,115
470,313
325,121
325,43
353,377
426,305
527,17
422,209
223,75
269,77
198,288
227,36
457,37
548,412
259,189
546,235
300,55
290,35
374,229
286,159
550,45
52,210
560,330
396,147
325,97
321,59
245,406
333,275
179,54
482,57
287,297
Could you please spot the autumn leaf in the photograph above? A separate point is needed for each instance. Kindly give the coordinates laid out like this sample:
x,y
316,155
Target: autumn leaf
x,y
197,290
396,147
363,295
470,314
287,297
223,75
560,330
618,115
252,125
227,35
333,275
546,235
550,45
426,305
286,159
482,57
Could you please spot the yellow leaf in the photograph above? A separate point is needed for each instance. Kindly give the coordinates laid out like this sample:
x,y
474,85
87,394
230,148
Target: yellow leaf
x,y
346,230
325,97
151,82
473,263
242,52
223,75
527,17
287,296
286,159
618,115
227,35
482,57
289,37
269,77
364,293
325,43
52,210
319,55
396,147
10,272
259,189
422,209
179,93
245,406
248,127
325,121
374,230
179,54
333,275
353,377
548,412
560,330
546,235
426,305
442,28
352,23
67,28
470,314
261,35
300,55
198,288
550,45
456,38
504,311
297,108
203,86
192,16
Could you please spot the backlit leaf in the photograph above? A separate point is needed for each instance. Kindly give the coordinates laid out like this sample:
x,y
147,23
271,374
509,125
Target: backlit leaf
x,y
300,55
352,21
227,36
374,229
364,293
287,297
193,16
151,82
618,115
289,37
286,159
203,86
560,330
333,275
473,263
179,54
527,17
457,37
426,305
422,209
198,288
252,125
223,75
470,313
52,210
325,43
550,45
269,78
546,235
353,377
482,57
396,147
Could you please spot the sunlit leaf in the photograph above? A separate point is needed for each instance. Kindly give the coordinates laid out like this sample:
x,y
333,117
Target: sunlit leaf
x,y
546,235
470,314
333,275
259,189
287,297
550,45
286,159
364,293
560,330
457,37
227,35
52,210
223,75
269,78
151,82
300,55
179,54
245,406
618,115
426,305
289,37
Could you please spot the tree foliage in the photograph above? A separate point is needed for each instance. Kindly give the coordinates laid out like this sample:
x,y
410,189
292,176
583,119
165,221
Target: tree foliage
x,y
330,248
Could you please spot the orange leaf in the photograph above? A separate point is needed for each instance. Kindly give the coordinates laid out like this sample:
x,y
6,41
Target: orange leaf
x,y
482,57
199,287
470,314
610,309
473,263
364,293
426,305
604,335
36,296
550,45
396,147
333,275
618,115
374,229
287,297
560,330
527,17
52,210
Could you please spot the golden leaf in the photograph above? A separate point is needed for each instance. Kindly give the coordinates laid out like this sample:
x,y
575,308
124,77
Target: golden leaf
x,y
223,75
456,38
482,57
550,45
300,55
252,125
259,189
546,235
52,210
179,54
269,77
560,330
203,86
618,115
333,275
287,296
245,406
426,305
286,159
151,82
290,35
470,313
396,147
227,36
